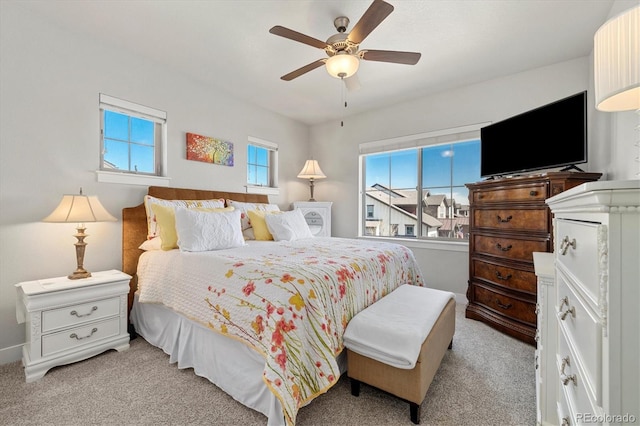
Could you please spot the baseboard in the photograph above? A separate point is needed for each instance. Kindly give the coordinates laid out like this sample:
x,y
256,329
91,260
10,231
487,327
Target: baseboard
x,y
10,354
461,299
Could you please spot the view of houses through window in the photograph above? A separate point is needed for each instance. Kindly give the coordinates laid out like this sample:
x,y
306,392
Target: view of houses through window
x,y
420,192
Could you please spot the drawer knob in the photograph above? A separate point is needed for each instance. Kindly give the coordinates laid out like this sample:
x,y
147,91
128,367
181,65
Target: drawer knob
x,y
565,244
563,301
508,219
95,308
571,310
502,305
500,277
75,336
565,362
566,379
533,193
507,248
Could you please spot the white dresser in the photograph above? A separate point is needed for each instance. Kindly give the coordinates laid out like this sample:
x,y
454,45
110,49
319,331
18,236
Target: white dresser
x,y
318,216
589,344
71,320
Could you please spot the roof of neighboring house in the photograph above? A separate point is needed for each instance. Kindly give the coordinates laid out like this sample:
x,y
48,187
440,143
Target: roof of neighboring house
x,y
382,197
449,224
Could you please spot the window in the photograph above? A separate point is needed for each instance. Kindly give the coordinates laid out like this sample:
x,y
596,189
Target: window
x,y
419,183
132,142
369,211
262,166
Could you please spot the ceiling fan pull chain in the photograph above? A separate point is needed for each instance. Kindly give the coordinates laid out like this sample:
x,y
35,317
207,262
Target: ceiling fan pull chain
x,y
343,97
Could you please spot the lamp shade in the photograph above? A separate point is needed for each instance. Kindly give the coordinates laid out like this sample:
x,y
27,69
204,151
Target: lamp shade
x,y
342,65
616,53
311,170
80,209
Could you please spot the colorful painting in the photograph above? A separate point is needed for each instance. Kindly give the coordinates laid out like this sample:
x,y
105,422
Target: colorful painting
x,y
209,150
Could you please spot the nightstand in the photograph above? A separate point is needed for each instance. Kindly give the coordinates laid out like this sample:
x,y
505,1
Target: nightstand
x,y
318,216
71,320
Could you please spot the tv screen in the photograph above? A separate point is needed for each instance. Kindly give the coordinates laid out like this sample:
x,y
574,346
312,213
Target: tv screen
x,y
553,135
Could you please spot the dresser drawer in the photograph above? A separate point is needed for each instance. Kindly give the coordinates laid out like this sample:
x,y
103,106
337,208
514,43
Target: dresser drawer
x,y
506,305
512,219
78,314
505,276
78,336
582,330
525,193
573,384
576,249
508,248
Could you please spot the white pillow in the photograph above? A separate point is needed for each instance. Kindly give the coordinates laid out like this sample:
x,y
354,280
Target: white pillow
x,y
288,226
205,231
153,244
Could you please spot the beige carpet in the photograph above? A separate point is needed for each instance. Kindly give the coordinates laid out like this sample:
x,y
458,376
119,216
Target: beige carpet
x,y
486,379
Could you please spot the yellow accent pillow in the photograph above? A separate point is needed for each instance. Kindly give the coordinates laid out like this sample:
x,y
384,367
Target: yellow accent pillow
x,y
166,219
259,224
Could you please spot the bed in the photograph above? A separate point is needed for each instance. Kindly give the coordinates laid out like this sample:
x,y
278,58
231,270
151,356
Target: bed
x,y
264,320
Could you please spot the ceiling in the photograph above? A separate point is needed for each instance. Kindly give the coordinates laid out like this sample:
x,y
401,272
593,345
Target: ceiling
x,y
227,44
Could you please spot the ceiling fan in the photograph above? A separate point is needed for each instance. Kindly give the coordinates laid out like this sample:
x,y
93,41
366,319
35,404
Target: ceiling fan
x,y
343,49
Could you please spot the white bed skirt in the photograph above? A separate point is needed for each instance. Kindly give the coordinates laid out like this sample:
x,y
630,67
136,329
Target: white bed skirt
x,y
229,364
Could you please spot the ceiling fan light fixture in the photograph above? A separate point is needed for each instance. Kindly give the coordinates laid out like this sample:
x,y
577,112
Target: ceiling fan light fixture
x,y
342,65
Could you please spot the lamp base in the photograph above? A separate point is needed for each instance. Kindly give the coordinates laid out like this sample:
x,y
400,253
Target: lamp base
x,y
79,274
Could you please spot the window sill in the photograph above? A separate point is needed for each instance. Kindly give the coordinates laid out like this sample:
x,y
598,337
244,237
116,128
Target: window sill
x,y
262,190
132,179
445,245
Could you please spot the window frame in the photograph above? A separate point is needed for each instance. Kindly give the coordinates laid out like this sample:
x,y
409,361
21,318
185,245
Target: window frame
x,y
272,172
417,142
132,109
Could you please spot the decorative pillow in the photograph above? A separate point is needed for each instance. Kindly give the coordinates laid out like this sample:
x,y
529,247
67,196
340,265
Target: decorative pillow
x,y
152,224
206,231
166,221
288,226
259,225
152,244
247,230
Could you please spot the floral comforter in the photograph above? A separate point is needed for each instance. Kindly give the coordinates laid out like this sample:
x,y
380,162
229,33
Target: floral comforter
x,y
290,301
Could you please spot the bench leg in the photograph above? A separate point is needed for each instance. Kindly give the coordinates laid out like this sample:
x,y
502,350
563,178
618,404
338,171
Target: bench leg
x,y
414,410
355,387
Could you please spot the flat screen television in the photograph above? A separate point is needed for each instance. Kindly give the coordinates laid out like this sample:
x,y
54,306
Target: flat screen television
x,y
553,135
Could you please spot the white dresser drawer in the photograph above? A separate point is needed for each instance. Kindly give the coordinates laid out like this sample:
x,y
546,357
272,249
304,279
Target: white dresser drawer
x,y
583,332
573,384
78,336
577,254
78,314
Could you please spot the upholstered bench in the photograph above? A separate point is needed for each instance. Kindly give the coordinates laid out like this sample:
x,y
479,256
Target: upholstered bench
x,y
397,343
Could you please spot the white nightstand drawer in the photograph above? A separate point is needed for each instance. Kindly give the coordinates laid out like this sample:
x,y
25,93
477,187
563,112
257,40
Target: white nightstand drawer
x,y
583,332
79,314
577,253
78,336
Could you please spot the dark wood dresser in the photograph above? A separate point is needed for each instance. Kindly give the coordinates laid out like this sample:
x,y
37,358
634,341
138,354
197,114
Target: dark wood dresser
x,y
509,220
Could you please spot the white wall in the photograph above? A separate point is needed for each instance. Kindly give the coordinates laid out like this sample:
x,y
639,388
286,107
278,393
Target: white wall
x,y
49,146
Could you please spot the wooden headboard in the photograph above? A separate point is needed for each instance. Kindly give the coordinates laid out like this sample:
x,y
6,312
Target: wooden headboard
x,y
134,223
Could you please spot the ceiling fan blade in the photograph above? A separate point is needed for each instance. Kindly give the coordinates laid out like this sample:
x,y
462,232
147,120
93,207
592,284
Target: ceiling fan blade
x,y
309,67
352,83
376,13
296,36
408,58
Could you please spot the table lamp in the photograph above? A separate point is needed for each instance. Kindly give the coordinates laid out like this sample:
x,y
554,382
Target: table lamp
x,y
79,209
311,171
